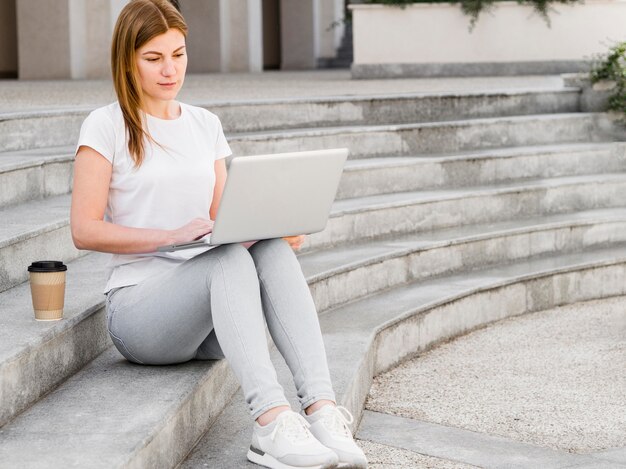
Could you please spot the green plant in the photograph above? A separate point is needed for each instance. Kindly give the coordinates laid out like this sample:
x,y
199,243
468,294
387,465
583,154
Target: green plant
x,y
612,67
473,8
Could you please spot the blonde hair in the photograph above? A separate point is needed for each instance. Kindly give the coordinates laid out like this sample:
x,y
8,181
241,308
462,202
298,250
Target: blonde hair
x,y
139,22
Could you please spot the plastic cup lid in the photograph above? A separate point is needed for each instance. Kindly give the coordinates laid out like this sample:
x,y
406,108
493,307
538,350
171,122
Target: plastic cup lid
x,y
47,266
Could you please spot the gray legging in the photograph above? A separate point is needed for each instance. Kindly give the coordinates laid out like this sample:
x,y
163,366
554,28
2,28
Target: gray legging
x,y
224,295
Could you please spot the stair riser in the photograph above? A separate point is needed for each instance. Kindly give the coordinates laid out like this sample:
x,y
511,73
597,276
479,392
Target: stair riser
x,y
429,139
55,244
40,130
402,110
173,442
24,380
420,330
418,325
340,288
479,171
43,180
168,437
487,208
49,179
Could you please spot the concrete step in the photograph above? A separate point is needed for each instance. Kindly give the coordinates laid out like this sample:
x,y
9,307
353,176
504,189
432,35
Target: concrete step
x,y
345,273
369,336
385,175
391,108
40,229
113,413
32,231
434,137
412,212
39,129
34,174
34,356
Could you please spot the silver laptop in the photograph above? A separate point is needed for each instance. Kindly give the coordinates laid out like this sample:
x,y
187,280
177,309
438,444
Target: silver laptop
x,y
271,196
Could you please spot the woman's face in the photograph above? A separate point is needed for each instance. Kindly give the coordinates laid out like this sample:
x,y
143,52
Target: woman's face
x,y
161,63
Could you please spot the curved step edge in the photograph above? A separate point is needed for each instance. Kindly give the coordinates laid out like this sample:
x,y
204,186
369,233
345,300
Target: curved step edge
x,y
389,332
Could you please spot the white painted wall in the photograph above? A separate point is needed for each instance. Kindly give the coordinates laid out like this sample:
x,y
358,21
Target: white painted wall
x,y
436,33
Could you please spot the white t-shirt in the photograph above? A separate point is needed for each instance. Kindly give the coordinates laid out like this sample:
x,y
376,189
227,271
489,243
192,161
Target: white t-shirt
x,y
173,185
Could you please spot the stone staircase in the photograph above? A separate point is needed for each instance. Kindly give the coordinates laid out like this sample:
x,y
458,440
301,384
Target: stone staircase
x,y
454,210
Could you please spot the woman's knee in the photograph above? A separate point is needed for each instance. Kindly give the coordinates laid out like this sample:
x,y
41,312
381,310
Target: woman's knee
x,y
234,259
269,249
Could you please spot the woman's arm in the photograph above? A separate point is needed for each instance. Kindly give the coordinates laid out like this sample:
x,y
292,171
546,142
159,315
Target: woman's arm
x,y
92,176
220,182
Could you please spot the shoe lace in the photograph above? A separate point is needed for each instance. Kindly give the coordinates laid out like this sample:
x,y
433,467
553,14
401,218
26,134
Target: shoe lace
x,y
337,419
293,426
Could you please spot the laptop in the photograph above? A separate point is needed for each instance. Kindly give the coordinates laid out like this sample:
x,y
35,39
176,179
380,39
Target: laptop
x,y
271,196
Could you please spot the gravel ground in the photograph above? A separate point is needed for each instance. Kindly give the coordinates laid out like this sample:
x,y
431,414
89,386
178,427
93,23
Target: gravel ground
x,y
231,87
387,457
555,378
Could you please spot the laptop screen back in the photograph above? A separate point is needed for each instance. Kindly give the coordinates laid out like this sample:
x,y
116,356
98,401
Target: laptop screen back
x,y
270,196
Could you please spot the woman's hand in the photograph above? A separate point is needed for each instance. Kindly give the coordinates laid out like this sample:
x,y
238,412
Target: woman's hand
x,y
295,241
192,231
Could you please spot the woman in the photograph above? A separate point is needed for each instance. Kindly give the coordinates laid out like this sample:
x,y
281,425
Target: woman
x,y
150,171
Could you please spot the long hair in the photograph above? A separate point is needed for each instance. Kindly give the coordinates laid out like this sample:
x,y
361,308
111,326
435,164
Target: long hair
x,y
139,22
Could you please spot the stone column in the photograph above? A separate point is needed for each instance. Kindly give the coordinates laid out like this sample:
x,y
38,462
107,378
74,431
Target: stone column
x,y
224,35
298,29
65,38
307,31
204,36
43,38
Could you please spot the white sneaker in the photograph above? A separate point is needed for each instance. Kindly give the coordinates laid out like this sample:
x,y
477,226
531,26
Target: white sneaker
x,y
287,443
330,426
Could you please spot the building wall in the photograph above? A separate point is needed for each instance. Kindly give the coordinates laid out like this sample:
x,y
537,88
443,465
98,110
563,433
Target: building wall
x,y
8,39
297,34
71,38
203,40
43,39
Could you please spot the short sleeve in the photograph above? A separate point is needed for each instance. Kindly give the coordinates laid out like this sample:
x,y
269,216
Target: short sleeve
x,y
222,149
98,133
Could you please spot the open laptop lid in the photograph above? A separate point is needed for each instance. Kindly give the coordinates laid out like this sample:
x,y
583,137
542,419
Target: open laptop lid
x,y
285,194
271,196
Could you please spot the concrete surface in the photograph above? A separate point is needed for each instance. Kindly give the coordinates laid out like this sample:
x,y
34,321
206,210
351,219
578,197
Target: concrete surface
x,y
389,174
480,449
33,174
113,413
30,95
124,429
553,379
396,323
431,138
388,457
335,275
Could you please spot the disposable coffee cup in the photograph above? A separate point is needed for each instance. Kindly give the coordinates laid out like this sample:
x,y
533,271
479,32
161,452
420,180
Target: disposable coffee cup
x,y
47,288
